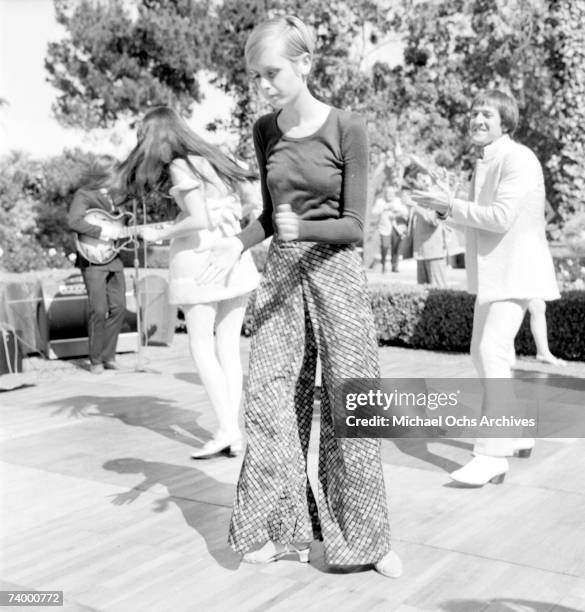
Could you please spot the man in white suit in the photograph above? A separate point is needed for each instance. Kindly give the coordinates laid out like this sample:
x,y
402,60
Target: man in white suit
x,y
507,257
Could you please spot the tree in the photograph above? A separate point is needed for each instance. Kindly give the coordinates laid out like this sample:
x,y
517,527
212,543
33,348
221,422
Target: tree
x,y
532,48
343,30
566,164
115,63
454,49
34,198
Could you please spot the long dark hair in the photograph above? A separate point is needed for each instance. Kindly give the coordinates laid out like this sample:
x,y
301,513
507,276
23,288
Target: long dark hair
x,y
163,136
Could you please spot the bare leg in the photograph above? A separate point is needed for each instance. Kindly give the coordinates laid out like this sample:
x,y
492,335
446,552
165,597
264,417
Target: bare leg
x,y
230,316
200,319
537,309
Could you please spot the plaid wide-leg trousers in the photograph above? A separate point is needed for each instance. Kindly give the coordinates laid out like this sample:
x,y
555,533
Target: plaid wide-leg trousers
x,y
311,301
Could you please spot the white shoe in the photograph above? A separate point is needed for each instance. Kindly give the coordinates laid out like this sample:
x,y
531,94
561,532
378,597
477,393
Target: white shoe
x,y
389,565
481,470
230,445
273,551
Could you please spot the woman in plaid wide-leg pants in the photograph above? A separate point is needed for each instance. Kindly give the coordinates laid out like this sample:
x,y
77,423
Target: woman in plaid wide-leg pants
x,y
312,299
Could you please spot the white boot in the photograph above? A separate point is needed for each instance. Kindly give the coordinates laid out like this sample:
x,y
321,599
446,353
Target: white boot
x,y
481,470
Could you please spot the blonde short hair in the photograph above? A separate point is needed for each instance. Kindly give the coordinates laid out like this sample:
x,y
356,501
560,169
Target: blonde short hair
x,y
296,36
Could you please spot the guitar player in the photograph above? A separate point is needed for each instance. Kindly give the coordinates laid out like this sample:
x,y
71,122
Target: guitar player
x,y
105,283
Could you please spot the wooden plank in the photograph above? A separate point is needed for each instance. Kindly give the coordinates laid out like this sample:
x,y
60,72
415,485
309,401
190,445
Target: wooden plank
x,y
99,498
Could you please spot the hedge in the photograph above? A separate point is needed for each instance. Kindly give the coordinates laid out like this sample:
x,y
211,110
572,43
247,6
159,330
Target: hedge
x,y
416,316
441,319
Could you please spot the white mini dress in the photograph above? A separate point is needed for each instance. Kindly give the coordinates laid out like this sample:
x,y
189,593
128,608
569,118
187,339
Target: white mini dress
x,y
189,254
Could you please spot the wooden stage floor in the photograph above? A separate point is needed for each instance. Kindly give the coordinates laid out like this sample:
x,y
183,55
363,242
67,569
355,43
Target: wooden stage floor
x,y
99,499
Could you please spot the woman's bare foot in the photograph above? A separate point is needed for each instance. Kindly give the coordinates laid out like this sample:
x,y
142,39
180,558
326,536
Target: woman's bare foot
x,y
550,358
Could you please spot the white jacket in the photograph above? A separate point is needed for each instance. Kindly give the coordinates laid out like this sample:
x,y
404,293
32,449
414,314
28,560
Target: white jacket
x,y
507,254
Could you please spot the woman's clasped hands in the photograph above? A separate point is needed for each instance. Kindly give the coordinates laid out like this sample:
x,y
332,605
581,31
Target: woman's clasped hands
x,y
287,223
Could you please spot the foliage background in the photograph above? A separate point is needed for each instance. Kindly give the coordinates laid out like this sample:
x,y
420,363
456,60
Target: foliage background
x,y
121,57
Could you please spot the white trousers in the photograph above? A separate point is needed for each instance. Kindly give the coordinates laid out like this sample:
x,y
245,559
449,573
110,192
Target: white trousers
x,y
495,325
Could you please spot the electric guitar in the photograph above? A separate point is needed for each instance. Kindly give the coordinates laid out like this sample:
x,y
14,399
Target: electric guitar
x,y
101,251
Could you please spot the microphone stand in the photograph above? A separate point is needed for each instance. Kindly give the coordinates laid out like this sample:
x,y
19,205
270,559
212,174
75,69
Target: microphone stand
x,y
140,320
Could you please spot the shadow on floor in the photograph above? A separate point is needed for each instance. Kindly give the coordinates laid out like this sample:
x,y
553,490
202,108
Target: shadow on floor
x,y
160,416
187,488
418,448
502,605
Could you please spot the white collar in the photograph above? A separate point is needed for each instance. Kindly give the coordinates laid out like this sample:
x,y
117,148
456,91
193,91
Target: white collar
x,y
491,150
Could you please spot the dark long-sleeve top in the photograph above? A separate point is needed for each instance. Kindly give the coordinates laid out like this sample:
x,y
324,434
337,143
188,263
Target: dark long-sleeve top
x,y
322,176
83,200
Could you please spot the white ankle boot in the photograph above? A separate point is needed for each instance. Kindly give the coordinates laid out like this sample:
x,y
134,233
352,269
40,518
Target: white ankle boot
x,y
481,470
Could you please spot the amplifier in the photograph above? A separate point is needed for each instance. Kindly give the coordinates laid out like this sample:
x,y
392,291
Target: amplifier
x,y
66,316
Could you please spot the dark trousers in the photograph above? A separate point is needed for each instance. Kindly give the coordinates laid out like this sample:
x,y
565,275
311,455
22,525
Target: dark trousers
x,y
431,271
391,243
106,292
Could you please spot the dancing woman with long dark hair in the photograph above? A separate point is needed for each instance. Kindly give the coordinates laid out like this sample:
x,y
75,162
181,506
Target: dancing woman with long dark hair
x,y
170,157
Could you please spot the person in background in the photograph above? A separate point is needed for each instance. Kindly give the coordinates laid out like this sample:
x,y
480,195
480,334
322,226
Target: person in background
x,y
392,222
539,329
507,257
537,306
429,235
105,283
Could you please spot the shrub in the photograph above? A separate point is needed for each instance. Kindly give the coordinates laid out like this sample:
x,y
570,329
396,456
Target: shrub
x,y
422,317
570,271
34,198
442,319
21,254
566,328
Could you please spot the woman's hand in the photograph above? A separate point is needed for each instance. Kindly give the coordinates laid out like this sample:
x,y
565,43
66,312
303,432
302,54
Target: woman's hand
x,y
110,231
223,256
151,234
287,223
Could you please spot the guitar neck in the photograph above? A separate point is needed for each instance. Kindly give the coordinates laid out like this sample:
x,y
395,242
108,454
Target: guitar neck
x,y
131,231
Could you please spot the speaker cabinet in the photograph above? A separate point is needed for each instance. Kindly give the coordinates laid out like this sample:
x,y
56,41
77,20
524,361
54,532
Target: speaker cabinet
x,y
66,315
